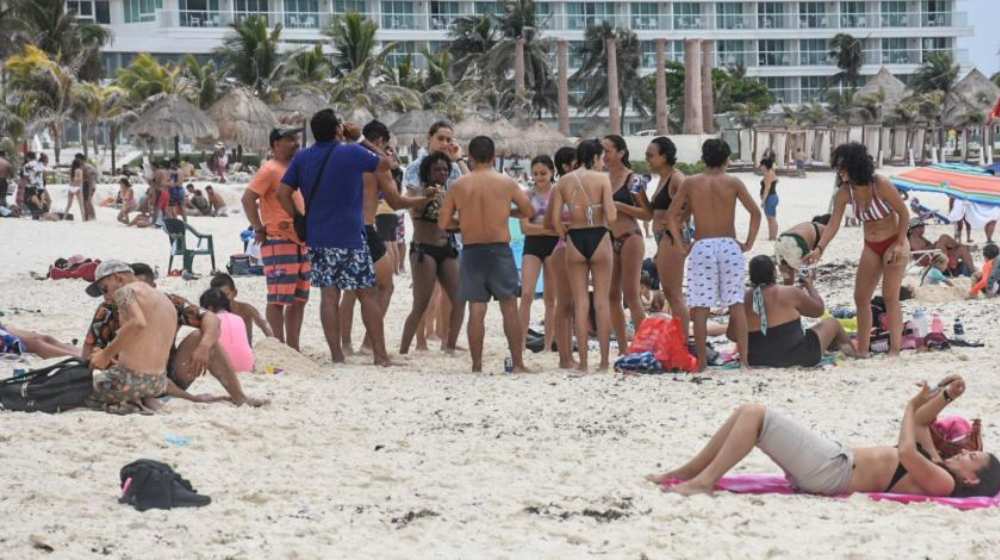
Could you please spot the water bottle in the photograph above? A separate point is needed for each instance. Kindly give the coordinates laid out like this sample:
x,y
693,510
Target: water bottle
x,y
937,326
958,330
920,322
508,365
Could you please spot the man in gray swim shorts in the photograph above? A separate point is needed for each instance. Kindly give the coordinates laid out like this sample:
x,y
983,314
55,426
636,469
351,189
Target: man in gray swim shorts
x,y
483,201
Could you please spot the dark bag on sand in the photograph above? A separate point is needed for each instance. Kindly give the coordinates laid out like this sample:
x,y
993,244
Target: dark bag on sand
x,y
148,484
52,389
299,220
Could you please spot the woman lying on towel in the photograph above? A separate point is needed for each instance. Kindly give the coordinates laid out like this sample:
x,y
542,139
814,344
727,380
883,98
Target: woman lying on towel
x,y
816,465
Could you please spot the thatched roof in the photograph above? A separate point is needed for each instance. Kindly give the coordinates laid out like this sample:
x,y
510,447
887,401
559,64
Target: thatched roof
x,y
891,87
414,126
974,93
167,116
359,116
508,139
300,105
543,139
243,119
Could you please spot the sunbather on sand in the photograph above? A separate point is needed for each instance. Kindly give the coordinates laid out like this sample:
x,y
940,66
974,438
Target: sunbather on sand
x,y
816,465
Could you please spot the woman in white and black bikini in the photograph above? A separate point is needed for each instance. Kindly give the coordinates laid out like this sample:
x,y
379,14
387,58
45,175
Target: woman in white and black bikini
x,y
540,242
661,155
817,465
629,195
586,193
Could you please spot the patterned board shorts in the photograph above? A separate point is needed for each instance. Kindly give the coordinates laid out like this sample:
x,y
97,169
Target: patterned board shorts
x,y
716,273
287,268
344,269
119,390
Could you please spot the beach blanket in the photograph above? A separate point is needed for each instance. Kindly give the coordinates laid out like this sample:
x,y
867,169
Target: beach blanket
x,y
776,484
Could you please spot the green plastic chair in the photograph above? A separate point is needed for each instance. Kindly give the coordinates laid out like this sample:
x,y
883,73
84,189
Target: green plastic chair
x,y
177,231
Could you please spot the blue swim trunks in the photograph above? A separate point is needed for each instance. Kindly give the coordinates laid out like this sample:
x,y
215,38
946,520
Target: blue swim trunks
x,y
345,269
771,206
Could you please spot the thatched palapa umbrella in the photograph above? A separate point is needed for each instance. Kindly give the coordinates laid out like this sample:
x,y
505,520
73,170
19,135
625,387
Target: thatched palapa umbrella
x,y
893,90
543,139
300,105
414,126
243,119
172,116
506,136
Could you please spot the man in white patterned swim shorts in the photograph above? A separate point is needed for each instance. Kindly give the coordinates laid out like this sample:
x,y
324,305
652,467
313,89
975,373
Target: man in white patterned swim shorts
x,y
715,265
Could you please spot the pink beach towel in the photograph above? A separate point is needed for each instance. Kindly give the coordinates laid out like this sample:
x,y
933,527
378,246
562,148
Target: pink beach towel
x,y
776,484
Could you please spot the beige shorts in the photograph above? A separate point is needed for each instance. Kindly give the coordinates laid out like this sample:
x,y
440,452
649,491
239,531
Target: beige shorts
x,y
811,462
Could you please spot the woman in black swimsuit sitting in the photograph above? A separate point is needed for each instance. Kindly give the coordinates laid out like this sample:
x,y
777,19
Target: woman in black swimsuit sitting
x,y
629,195
586,194
774,320
661,155
817,465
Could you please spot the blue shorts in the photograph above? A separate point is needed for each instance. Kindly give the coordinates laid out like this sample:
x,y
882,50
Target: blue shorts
x,y
771,206
344,269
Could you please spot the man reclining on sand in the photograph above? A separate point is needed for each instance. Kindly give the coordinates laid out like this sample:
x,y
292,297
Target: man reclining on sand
x,y
817,465
198,351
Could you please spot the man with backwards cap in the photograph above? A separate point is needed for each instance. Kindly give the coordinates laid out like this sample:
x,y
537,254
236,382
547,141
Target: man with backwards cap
x,y
198,352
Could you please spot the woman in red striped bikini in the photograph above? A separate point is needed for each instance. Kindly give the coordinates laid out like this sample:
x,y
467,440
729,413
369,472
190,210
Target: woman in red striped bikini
x,y
886,253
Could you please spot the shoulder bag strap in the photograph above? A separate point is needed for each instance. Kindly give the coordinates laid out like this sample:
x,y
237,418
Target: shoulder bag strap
x,y
319,177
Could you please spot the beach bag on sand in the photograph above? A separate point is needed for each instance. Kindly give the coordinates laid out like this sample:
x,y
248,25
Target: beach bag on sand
x,y
63,269
58,387
662,336
299,220
954,434
148,484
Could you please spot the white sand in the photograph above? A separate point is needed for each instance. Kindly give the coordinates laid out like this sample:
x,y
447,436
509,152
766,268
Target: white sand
x,y
428,461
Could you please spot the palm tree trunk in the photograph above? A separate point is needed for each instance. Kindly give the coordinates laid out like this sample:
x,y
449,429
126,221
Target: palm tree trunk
x,y
563,53
693,120
707,89
84,134
177,147
519,66
56,142
661,87
114,145
614,101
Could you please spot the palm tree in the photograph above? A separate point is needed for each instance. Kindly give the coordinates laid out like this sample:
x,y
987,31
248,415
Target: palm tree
x,y
103,104
204,80
838,105
471,39
849,54
995,78
869,107
309,66
250,54
593,70
47,87
353,37
146,77
938,73
48,25
520,22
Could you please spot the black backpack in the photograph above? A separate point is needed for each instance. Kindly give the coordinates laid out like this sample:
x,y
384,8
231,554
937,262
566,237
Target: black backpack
x,y
148,484
58,387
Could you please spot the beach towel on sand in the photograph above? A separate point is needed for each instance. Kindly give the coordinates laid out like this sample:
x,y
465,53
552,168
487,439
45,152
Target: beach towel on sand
x,y
776,484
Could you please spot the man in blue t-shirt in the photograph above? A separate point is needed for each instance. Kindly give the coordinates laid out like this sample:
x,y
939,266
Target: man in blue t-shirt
x,y
330,177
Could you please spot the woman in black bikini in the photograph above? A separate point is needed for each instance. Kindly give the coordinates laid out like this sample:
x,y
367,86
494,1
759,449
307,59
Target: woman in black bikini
x,y
661,155
886,251
586,194
539,245
769,197
565,163
629,195
817,465
433,254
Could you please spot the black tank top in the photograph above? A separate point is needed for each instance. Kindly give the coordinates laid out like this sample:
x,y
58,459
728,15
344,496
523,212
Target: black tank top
x,y
774,187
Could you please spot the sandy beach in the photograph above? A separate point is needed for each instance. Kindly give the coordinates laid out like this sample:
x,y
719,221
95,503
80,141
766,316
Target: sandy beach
x,y
429,461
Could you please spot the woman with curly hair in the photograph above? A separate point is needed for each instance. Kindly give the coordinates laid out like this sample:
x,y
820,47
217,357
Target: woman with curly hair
x,y
886,252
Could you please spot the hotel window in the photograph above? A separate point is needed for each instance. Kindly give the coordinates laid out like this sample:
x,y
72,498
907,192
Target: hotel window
x,y
543,15
350,6
814,52
687,15
443,14
813,88
812,15
894,51
96,11
936,13
302,14
582,15
645,15
404,51
489,8
772,52
575,54
779,88
251,6
852,14
932,45
648,52
200,13
771,15
894,14
730,16
731,53
675,51
141,11
398,15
